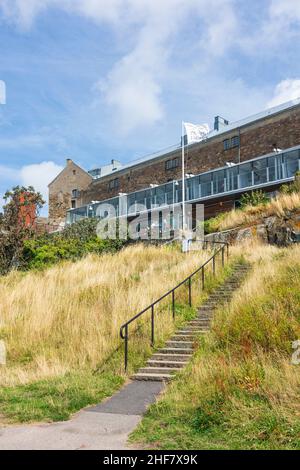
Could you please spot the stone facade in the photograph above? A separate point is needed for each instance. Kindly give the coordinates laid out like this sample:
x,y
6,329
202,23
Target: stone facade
x,y
62,191
257,138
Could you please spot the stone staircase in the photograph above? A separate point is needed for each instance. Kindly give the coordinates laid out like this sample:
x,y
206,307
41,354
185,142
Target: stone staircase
x,y
179,349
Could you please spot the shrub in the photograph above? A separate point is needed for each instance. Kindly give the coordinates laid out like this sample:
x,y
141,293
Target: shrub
x,y
74,242
255,198
212,225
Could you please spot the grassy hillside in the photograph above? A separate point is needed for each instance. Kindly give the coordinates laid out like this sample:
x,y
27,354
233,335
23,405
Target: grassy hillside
x,y
241,390
254,214
60,325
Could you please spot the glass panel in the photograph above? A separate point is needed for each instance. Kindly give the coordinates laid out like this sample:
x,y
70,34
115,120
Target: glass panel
x,y
205,181
193,188
232,178
291,164
245,172
148,194
169,192
160,196
218,181
79,214
260,171
140,198
275,169
131,203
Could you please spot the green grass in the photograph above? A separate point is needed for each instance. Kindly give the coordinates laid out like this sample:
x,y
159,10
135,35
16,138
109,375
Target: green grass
x,y
241,390
56,399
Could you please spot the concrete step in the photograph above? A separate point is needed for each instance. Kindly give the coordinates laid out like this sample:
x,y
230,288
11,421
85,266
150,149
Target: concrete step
x,y
154,377
182,337
179,349
175,357
180,344
200,322
191,333
172,350
166,363
159,370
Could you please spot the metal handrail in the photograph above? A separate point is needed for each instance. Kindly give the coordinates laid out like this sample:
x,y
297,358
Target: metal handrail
x,y
124,328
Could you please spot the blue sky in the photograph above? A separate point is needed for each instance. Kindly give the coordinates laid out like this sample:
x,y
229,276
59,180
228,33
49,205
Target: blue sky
x,y
100,79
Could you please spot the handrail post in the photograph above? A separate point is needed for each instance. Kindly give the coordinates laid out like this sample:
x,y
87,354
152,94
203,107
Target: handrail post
x,y
173,304
214,265
227,251
126,347
152,325
190,291
223,256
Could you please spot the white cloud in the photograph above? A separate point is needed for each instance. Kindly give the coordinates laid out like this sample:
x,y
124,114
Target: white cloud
x,y
39,175
286,90
132,91
2,92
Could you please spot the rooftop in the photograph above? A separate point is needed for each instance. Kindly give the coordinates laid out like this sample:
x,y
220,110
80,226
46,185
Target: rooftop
x,y
214,133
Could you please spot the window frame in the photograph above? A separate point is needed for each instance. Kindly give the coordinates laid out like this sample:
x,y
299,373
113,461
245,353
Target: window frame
x,y
113,184
171,164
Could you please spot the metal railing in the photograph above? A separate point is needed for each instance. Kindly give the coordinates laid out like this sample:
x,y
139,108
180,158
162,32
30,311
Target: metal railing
x,y
124,330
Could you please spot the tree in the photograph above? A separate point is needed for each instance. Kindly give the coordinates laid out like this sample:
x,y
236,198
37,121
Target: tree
x,y
17,224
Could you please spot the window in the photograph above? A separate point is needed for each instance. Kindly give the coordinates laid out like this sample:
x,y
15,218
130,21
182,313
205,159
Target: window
x,y
171,164
75,193
74,172
235,141
231,143
73,204
226,144
113,184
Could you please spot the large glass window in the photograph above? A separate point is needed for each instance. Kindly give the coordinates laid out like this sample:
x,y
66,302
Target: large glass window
x,y
169,192
275,167
205,181
291,163
232,178
245,175
193,187
131,203
260,171
160,195
218,181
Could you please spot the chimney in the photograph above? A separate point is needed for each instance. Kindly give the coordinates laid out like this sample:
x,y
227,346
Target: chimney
x,y
220,123
69,160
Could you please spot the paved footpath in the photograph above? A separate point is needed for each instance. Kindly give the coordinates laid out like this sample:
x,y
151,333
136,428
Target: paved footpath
x,y
105,426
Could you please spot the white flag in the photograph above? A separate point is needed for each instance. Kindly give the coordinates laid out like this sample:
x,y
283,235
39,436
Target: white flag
x,y
2,92
195,133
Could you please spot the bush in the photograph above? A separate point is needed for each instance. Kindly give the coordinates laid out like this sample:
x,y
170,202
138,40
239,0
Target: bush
x,y
212,225
74,242
255,198
292,187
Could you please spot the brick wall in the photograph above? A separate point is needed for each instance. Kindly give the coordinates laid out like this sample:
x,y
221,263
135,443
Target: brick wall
x,y
257,139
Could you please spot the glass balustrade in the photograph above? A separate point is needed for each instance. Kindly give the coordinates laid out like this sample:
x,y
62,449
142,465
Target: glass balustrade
x,y
251,174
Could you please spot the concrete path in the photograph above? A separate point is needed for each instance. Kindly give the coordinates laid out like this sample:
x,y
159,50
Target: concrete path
x,y
105,426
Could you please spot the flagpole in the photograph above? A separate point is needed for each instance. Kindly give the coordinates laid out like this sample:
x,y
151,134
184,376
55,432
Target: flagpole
x,y
183,179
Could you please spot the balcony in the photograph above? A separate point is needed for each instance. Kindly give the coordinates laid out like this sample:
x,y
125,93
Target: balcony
x,y
254,174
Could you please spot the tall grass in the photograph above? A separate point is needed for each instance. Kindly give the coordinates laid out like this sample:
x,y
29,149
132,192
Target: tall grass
x,y
253,214
68,317
241,390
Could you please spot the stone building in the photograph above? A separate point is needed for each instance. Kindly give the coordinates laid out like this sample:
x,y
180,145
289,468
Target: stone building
x,y
234,158
66,191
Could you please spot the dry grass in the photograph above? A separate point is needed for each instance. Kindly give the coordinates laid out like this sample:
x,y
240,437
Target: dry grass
x,y
68,317
252,214
241,391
